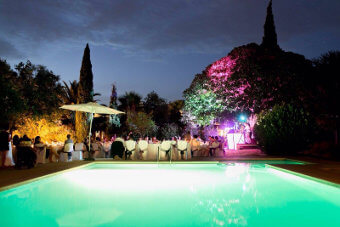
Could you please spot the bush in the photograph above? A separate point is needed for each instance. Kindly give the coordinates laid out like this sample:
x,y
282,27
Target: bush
x,y
285,129
169,130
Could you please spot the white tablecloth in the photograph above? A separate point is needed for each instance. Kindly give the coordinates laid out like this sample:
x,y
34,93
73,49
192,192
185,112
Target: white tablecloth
x,y
151,153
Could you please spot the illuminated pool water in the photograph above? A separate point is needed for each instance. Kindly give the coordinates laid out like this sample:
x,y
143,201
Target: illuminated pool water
x,y
238,194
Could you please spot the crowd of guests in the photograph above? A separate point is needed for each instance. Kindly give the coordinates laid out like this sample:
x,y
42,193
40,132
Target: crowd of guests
x,y
25,150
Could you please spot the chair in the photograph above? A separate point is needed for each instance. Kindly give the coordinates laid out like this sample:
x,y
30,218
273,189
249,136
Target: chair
x,y
64,155
182,146
130,148
78,151
214,146
41,154
166,147
143,149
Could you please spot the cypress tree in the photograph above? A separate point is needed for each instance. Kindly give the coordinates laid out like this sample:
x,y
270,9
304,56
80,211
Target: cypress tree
x,y
85,90
85,93
270,38
113,98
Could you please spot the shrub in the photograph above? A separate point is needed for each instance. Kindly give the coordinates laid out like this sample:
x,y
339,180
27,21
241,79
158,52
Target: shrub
x,y
285,129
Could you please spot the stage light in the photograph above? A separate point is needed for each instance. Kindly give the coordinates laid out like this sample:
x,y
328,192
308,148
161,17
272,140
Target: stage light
x,y
242,118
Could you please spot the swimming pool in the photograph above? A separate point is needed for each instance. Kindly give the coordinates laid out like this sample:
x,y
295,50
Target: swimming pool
x,y
238,194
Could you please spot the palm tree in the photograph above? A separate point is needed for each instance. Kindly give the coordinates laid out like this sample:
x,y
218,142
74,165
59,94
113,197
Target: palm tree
x,y
70,92
131,101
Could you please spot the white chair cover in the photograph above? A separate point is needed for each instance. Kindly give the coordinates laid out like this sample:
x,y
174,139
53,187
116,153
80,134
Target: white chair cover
x,y
163,147
77,155
41,154
143,146
183,145
131,147
63,157
79,146
9,157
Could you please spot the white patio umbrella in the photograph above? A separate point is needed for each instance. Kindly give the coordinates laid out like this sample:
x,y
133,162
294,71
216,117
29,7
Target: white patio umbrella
x,y
93,108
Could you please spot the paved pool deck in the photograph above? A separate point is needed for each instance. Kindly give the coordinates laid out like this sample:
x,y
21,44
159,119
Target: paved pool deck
x,y
318,168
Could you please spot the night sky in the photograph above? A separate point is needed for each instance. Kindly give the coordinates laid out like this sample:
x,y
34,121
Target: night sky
x,y
155,45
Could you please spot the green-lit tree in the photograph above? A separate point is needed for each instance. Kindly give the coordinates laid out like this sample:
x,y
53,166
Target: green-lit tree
x,y
201,105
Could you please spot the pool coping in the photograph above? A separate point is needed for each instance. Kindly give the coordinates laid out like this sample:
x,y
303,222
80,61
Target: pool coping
x,y
7,187
319,180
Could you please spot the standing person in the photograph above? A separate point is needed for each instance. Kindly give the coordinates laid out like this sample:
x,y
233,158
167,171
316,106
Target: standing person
x,y
4,142
68,147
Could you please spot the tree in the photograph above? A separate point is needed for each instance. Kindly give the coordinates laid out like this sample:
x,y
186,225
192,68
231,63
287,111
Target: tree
x,y
270,38
141,124
114,120
11,102
285,129
85,93
70,94
252,78
175,112
48,127
85,89
201,104
327,93
157,107
130,102
39,87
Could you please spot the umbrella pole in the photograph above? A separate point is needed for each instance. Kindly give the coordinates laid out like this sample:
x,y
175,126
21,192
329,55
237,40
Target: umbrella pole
x,y
90,156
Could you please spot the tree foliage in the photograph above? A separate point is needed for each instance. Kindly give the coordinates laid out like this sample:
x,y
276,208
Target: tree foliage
x,y
285,129
141,123
11,100
48,127
130,101
157,107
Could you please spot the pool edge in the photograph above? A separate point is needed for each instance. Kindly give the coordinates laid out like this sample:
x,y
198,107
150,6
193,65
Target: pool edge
x,y
7,187
319,180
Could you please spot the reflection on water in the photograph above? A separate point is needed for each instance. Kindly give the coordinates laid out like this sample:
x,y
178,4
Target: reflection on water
x,y
236,194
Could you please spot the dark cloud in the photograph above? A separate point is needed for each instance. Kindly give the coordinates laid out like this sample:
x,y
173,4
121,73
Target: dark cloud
x,y
8,50
196,26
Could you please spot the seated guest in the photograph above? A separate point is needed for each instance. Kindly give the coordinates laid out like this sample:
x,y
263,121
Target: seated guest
x,y
97,147
80,146
25,153
117,148
106,147
39,148
38,144
154,140
68,147
195,145
213,145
